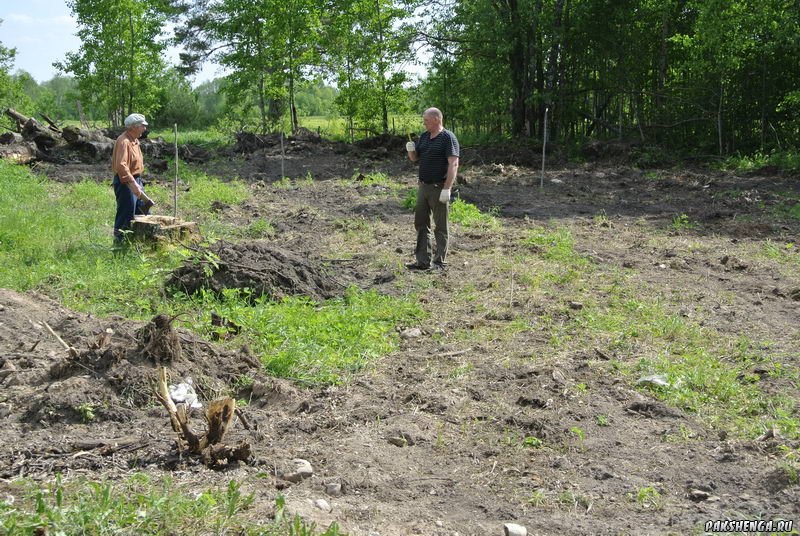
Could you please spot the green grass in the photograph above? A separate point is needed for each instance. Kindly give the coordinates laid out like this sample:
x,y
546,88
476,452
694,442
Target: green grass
x,y
337,127
57,239
142,505
465,214
708,373
788,160
209,138
314,343
470,216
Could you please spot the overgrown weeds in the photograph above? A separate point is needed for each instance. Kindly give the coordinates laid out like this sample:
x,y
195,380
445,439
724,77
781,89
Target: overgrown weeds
x,y
142,505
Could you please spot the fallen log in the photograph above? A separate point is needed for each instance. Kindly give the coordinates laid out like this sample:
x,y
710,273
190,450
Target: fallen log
x,y
75,134
95,150
19,153
53,126
42,137
10,138
17,117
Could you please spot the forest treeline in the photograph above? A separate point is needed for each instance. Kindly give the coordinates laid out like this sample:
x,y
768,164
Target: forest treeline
x,y
711,77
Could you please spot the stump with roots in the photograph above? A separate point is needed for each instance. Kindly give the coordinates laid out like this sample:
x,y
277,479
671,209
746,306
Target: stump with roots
x,y
152,228
159,341
209,446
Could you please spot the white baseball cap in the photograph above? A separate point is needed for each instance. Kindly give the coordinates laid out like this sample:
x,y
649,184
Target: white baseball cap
x,y
135,119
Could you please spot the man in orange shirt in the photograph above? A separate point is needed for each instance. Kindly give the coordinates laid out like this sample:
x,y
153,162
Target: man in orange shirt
x,y
127,163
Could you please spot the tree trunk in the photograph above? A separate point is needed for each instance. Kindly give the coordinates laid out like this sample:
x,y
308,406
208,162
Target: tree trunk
x,y
553,65
519,72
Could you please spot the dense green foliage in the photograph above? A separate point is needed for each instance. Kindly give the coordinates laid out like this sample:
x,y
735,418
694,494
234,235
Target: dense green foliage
x,y
710,77
706,78
120,63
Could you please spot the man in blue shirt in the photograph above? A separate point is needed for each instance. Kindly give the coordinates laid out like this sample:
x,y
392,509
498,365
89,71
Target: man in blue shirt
x,y
437,152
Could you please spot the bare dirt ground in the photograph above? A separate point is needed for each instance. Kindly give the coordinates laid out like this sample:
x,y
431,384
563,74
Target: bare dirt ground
x,y
428,440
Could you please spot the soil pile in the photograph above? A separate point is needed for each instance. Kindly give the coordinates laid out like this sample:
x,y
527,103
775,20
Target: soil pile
x,y
112,374
258,266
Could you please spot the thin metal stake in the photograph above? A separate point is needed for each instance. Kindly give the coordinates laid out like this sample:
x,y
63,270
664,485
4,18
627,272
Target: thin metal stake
x,y
175,183
544,145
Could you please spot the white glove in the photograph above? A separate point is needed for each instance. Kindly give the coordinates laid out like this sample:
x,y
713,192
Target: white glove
x,y
410,147
444,197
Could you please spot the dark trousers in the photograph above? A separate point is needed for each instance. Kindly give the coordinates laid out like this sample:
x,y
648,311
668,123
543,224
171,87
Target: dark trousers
x,y
127,206
428,204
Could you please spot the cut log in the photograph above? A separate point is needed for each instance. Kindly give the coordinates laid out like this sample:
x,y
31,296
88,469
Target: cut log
x,y
10,138
19,153
156,228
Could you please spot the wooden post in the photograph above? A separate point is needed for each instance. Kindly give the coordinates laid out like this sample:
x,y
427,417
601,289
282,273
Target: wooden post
x,y
544,146
175,183
283,156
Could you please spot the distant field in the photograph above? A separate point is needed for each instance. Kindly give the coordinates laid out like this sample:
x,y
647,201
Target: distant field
x,y
329,127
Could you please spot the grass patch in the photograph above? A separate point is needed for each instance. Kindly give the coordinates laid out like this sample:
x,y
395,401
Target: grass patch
x,y
409,201
209,138
468,215
788,160
461,212
310,342
556,245
58,238
203,190
706,373
140,505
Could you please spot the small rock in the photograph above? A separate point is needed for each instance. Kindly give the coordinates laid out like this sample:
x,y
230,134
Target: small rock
x,y
795,294
402,439
655,380
627,264
303,467
698,495
559,377
398,250
302,471
575,306
512,529
2,307
334,489
411,333
323,505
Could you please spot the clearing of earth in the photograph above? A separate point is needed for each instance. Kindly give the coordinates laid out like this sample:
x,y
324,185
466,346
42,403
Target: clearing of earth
x,y
614,353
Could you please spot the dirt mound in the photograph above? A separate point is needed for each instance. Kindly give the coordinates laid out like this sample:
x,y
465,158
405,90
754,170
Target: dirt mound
x,y
387,141
514,154
258,266
111,376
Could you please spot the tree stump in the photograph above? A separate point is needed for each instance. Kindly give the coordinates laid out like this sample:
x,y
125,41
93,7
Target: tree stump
x,y
209,446
157,228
